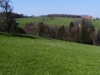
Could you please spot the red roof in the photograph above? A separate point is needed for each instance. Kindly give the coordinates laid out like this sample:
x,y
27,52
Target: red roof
x,y
88,17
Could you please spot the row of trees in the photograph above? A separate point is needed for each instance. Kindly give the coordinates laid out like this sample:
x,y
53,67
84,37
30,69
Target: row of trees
x,y
16,15
62,15
84,32
7,20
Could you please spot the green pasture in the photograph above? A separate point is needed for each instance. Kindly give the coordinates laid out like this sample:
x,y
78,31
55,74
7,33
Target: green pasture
x,y
38,56
57,21
96,23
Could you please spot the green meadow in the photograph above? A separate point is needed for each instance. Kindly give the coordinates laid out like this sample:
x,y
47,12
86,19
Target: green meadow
x,y
57,21
39,56
96,24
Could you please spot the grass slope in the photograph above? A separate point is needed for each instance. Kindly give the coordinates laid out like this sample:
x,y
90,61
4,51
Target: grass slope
x,y
96,24
57,21
38,56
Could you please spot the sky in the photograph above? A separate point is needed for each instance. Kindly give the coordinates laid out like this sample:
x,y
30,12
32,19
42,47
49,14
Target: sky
x,y
44,7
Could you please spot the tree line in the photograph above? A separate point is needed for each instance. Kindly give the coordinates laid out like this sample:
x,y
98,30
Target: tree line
x,y
62,15
80,31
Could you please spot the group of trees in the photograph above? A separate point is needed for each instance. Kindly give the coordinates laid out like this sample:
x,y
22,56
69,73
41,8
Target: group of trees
x,y
53,16
62,15
7,20
16,15
84,32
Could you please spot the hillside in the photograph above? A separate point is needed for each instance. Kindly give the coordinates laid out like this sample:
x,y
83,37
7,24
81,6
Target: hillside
x,y
38,56
57,21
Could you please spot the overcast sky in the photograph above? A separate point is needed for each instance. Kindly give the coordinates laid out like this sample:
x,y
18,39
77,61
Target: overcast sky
x,y
43,7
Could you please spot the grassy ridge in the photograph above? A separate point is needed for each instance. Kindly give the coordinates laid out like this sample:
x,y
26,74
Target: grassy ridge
x,y
38,56
57,21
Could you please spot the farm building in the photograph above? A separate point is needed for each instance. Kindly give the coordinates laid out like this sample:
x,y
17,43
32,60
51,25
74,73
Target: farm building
x,y
87,17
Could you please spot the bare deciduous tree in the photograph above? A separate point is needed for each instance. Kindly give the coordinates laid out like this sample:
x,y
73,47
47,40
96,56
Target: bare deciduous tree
x,y
7,13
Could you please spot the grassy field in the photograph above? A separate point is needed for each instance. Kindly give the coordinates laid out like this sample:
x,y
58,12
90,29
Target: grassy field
x,y
57,21
96,24
38,56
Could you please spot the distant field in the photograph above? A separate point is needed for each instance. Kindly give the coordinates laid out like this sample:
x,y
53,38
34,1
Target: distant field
x,y
38,56
57,21
96,24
